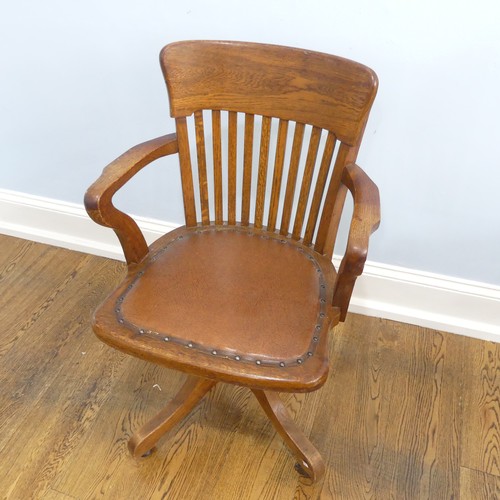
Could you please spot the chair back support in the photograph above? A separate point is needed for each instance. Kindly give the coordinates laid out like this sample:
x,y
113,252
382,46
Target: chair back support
x,y
299,111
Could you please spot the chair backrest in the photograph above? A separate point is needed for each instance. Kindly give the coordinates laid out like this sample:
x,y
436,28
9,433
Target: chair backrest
x,y
325,100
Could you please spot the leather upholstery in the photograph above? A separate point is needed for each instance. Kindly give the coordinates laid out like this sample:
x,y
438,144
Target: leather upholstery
x,y
245,298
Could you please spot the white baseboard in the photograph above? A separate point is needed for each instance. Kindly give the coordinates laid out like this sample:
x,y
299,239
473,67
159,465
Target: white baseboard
x,y
429,300
416,297
65,224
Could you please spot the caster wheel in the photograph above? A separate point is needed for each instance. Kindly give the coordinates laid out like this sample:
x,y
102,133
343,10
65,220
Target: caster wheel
x,y
148,453
302,470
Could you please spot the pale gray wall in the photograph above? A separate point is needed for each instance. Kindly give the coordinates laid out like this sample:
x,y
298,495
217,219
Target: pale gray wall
x,y
80,83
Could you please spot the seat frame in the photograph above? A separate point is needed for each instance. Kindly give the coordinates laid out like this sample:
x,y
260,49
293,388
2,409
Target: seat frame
x,y
347,176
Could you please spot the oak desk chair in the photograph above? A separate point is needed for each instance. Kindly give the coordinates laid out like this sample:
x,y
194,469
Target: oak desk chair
x,y
245,292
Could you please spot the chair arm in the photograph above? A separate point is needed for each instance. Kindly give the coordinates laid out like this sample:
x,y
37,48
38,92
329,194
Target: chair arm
x,y
365,220
98,198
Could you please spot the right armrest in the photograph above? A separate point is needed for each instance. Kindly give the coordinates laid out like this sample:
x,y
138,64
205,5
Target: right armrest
x,y
98,198
365,220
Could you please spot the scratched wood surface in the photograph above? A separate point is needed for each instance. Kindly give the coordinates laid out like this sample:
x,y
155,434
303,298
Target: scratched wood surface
x,y
406,413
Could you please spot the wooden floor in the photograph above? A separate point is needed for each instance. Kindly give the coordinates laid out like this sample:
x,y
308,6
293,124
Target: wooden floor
x,y
407,413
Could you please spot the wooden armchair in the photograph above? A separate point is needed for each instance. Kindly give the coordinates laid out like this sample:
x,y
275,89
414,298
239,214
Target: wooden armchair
x,y
245,292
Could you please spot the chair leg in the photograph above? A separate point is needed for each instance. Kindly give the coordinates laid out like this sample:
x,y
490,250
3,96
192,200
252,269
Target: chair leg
x,y
144,440
310,463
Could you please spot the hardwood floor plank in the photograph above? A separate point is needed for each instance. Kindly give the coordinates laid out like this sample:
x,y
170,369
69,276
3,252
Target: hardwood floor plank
x,y
418,421
406,412
94,466
56,495
12,254
397,441
42,343
481,437
445,475
37,455
477,485
24,294
360,420
39,404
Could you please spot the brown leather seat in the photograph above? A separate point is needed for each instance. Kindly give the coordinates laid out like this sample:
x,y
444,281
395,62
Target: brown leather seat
x,y
233,296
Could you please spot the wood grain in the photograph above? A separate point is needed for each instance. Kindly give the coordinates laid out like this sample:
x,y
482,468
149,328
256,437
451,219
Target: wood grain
x,y
202,166
217,153
247,169
277,175
306,182
231,166
326,160
406,412
265,136
298,137
482,410
269,80
186,172
477,485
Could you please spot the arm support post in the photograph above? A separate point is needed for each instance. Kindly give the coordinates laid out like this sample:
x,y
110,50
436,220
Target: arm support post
x,y
365,220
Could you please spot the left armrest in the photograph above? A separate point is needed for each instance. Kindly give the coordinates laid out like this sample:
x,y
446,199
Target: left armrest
x,y
365,220
98,198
